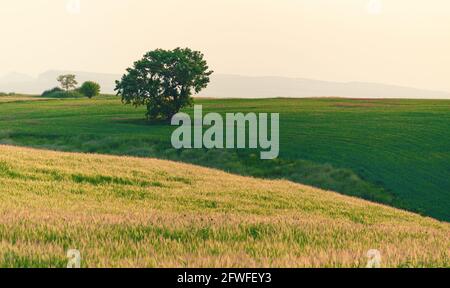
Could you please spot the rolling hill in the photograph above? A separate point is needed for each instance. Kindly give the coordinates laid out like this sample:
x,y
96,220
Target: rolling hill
x,y
136,212
389,151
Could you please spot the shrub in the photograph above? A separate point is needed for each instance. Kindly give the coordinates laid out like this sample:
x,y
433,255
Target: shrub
x,y
90,89
65,94
7,94
47,93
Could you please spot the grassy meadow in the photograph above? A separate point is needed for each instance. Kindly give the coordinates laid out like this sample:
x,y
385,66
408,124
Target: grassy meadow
x,y
389,151
137,212
20,98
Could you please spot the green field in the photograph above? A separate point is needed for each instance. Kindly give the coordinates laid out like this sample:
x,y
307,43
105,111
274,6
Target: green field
x,y
391,151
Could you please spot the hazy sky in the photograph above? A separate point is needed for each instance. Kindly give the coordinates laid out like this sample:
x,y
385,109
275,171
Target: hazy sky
x,y
404,42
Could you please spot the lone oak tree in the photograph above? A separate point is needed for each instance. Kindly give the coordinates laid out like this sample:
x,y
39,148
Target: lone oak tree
x,y
164,81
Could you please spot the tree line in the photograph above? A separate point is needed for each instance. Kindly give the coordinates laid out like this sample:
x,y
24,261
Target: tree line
x,y
163,81
68,88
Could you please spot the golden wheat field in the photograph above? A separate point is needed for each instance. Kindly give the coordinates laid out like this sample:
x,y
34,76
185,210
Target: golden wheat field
x,y
135,212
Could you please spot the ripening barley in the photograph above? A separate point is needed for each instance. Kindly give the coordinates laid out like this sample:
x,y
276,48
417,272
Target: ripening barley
x,y
130,212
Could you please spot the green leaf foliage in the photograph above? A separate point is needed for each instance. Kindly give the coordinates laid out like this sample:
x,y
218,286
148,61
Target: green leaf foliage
x,y
164,81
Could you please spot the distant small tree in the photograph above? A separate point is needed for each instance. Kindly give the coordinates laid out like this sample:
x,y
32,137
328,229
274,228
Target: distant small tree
x,y
164,81
90,89
67,81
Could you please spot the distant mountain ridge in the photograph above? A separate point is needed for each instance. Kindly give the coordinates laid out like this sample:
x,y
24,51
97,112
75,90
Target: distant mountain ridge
x,y
224,86
235,86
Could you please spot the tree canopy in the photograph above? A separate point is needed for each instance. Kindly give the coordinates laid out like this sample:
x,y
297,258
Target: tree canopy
x,y
67,81
164,81
90,89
